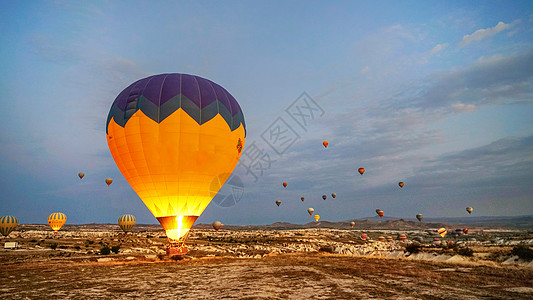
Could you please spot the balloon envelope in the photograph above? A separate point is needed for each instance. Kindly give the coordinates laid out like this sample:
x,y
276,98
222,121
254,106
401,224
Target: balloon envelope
x,y
57,220
469,209
80,175
278,202
176,138
380,213
324,197
8,224
364,236
419,217
302,199
401,184
126,222
317,217
442,232
217,225
109,181
285,184
361,171
334,195
325,143
352,224
310,210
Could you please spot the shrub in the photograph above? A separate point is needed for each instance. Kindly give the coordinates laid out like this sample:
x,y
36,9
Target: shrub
x,y
523,252
53,246
115,249
413,248
326,249
464,251
105,250
34,241
77,247
176,257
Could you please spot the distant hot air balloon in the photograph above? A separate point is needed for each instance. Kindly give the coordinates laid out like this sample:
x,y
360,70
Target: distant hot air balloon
x,y
334,195
469,209
310,210
381,238
109,181
325,143
401,184
436,242
361,171
80,175
57,220
278,202
302,198
402,237
459,231
380,213
126,222
352,224
389,239
324,197
176,138
364,236
317,217
284,184
465,230
419,217
450,244
442,232
8,224
216,225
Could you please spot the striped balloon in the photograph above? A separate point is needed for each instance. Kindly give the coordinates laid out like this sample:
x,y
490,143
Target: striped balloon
x,y
126,222
57,220
442,231
7,224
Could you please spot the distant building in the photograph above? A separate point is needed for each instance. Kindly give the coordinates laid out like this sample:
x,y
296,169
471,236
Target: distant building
x,y
11,245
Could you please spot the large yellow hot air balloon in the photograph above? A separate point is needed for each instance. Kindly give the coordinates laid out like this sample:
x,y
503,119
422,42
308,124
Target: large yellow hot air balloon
x,y
442,231
317,217
176,138
7,224
126,222
57,220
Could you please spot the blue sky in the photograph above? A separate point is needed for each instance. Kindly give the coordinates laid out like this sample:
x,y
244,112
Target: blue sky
x,y
438,95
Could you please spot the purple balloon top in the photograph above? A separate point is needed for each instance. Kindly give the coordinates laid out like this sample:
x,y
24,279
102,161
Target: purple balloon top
x,y
159,96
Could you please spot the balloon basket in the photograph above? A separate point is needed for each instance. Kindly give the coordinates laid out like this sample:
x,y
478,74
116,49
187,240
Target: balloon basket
x,y
176,249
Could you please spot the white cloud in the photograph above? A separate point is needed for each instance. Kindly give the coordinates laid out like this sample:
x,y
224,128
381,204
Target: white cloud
x,y
461,107
484,33
438,48
365,70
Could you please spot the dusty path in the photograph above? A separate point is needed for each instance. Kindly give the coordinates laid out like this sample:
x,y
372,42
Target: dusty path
x,y
299,276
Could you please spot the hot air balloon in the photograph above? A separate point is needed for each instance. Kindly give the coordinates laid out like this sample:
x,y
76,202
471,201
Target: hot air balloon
x,y
317,217
8,224
361,171
176,138
450,244
310,210
334,195
278,202
465,230
352,224
381,238
419,217
108,181
436,242
80,175
302,198
126,222
469,209
442,232
459,231
402,237
324,197
57,220
401,184
389,239
325,143
364,236
217,225
284,184
380,213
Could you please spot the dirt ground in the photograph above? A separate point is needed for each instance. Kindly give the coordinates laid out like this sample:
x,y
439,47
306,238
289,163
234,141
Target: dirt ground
x,y
286,276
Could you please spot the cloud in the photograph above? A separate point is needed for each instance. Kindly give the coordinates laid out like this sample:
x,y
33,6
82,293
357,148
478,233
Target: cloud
x,y
480,34
461,107
365,70
438,48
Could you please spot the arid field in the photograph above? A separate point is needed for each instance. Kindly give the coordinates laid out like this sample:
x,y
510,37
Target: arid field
x,y
261,264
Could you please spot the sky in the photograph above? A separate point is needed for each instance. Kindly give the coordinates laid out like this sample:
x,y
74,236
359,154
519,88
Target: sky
x,y
437,95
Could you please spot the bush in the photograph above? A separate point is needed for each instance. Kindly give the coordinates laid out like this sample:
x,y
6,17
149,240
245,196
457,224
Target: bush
x,y
326,249
77,247
464,251
523,252
413,248
105,250
115,249
34,241
53,246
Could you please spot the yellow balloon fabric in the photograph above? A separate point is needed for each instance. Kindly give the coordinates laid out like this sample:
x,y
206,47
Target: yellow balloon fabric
x,y
172,153
317,217
126,222
57,220
7,224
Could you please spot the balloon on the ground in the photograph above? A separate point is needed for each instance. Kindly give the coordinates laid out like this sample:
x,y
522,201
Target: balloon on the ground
x,y
217,225
126,222
310,210
361,171
80,175
381,238
8,224
419,217
176,138
402,237
57,220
